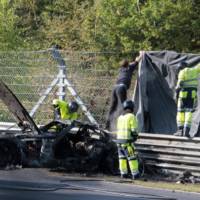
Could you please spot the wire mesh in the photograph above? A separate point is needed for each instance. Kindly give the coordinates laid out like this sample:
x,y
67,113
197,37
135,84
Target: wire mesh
x,y
29,74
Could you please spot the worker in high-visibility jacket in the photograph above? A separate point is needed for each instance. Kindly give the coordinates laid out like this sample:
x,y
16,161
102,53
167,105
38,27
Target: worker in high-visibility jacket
x,y
64,110
127,133
186,89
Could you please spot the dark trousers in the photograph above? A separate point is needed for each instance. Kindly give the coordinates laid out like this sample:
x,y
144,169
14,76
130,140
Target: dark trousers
x,y
119,95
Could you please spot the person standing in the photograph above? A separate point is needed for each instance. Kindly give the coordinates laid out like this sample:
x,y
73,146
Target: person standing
x,y
127,133
119,92
186,89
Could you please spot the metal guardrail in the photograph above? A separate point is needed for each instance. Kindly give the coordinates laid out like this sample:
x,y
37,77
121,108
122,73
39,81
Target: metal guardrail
x,y
8,127
176,154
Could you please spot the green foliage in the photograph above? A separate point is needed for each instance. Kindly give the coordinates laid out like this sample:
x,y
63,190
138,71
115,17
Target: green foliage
x,y
167,24
30,21
129,25
122,26
118,19
9,33
62,22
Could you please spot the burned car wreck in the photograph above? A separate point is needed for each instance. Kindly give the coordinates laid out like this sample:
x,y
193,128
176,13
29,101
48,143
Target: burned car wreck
x,y
74,146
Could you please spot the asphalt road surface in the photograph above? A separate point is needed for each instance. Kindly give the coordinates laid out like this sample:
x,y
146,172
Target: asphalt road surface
x,y
39,184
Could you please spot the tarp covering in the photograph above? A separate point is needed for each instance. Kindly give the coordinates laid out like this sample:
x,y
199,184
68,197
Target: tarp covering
x,y
154,94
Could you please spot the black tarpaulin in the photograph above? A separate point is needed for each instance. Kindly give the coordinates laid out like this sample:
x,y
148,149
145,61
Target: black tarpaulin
x,y
155,92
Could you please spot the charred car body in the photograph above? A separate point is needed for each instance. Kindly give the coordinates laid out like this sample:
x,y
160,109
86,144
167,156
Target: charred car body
x,y
74,146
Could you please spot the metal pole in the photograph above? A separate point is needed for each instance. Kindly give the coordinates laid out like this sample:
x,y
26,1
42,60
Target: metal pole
x,y
43,97
62,73
64,82
80,102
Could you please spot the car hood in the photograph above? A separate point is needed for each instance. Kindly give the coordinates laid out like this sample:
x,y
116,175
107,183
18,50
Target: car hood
x,y
21,115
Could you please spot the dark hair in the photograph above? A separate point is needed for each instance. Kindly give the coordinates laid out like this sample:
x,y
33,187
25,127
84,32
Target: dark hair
x,y
124,63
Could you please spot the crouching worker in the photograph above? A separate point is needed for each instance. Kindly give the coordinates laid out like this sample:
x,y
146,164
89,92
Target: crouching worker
x,y
127,134
64,110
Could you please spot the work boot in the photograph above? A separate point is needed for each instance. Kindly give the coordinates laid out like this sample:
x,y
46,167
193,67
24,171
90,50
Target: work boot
x,y
135,176
179,132
186,132
124,175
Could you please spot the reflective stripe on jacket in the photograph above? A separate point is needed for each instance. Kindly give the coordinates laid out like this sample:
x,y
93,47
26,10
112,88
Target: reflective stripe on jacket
x,y
126,124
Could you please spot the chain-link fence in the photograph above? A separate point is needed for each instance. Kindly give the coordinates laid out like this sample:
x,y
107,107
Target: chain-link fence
x,y
29,74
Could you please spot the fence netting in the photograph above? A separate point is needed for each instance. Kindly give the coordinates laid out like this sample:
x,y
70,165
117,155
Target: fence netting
x,y
29,73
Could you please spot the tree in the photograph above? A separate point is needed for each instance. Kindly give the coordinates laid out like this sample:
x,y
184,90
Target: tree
x,y
29,14
62,22
132,25
123,26
170,24
9,34
114,26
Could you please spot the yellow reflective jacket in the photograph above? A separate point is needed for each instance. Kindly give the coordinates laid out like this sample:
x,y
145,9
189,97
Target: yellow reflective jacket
x,y
188,77
126,125
64,110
